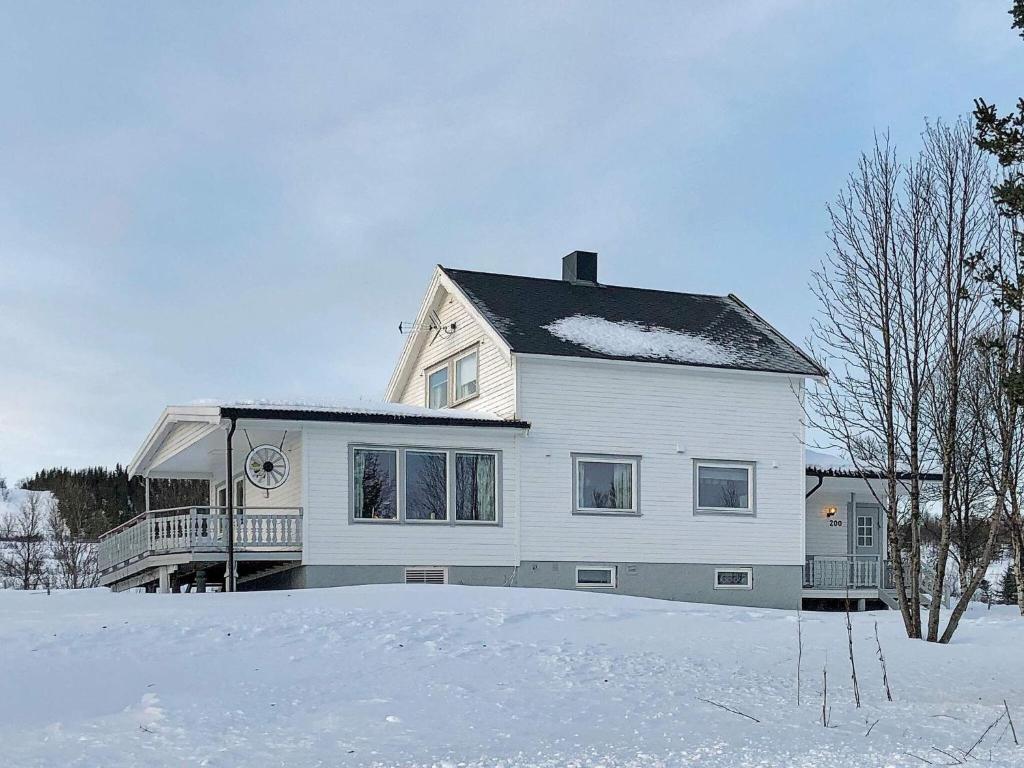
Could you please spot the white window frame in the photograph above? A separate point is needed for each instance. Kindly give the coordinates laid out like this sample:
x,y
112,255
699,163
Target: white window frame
x,y
454,376
449,364
748,571
447,384
869,529
612,576
403,508
399,489
599,458
400,472
749,511
454,489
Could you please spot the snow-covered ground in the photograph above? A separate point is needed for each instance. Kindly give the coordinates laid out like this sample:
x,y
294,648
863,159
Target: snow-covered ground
x,y
468,676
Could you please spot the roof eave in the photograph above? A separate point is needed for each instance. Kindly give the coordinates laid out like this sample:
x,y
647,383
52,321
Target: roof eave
x,y
360,417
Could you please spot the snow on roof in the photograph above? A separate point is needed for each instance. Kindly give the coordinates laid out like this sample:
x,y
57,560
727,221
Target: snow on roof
x,y
360,406
625,338
819,460
674,328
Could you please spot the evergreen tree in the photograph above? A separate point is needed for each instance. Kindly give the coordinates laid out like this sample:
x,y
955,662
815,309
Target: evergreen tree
x,y
1008,589
96,499
1003,137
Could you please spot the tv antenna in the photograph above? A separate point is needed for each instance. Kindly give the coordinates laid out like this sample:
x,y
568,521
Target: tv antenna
x,y
433,324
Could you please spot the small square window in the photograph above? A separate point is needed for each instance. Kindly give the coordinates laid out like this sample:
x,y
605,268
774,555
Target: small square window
x,y
605,484
437,388
724,487
595,577
465,377
734,578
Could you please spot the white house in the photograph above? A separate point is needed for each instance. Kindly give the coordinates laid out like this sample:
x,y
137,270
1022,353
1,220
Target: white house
x,y
537,433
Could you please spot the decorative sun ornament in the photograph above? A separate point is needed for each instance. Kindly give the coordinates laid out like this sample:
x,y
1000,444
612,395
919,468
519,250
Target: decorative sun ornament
x,y
267,467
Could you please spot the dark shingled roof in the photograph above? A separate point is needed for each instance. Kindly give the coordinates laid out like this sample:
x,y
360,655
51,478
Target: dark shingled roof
x,y
519,307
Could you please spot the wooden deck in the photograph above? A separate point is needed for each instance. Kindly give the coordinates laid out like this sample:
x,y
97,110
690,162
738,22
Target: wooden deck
x,y
130,554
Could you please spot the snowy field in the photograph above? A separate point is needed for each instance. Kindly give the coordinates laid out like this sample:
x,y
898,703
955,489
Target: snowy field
x,y
464,676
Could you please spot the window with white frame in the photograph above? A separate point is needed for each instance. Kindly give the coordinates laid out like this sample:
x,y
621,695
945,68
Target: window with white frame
x,y
595,576
721,486
605,484
734,578
425,485
437,388
465,376
865,531
455,380
475,493
375,484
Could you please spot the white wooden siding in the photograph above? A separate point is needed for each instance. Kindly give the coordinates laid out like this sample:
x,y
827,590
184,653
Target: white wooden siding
x,y
826,539
180,437
289,494
668,415
330,539
496,373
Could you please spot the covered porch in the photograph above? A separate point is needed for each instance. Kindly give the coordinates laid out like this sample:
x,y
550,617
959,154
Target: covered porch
x,y
241,532
846,535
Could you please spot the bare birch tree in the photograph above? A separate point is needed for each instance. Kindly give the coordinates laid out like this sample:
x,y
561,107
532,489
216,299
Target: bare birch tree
x,y
73,555
23,560
873,341
900,315
962,215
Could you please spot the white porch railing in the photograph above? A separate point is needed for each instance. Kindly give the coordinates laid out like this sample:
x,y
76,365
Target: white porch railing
x,y
200,529
842,572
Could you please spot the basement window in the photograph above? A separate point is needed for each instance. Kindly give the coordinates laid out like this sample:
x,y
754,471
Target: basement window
x,y
595,577
734,578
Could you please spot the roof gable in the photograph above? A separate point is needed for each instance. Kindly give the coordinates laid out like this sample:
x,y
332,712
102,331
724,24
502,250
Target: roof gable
x,y
561,318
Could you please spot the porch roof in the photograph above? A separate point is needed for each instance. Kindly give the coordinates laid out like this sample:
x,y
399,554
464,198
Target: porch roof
x,y
191,427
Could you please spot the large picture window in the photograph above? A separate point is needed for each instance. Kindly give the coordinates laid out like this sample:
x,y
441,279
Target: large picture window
x,y
475,494
603,484
724,487
426,485
375,484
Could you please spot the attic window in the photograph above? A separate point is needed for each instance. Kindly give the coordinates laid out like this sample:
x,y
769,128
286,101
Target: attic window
x,y
455,380
437,388
465,376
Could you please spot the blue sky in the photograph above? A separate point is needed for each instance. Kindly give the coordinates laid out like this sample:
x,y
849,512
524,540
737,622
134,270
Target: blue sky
x,y
243,200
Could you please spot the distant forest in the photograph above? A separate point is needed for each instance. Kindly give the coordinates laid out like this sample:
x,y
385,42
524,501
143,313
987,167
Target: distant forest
x,y
103,498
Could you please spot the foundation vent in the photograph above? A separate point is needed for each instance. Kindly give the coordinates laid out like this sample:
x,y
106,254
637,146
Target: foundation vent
x,y
426,575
